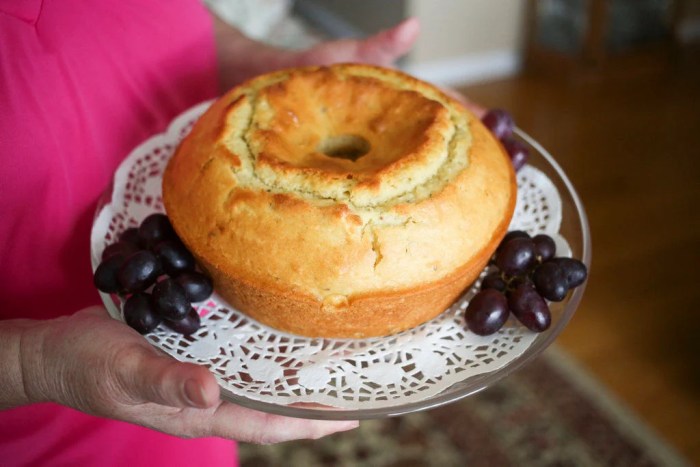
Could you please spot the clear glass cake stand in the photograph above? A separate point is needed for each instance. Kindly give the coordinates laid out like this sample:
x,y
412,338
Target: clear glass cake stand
x,y
574,228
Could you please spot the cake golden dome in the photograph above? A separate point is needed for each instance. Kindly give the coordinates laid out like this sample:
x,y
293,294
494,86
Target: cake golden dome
x,y
342,201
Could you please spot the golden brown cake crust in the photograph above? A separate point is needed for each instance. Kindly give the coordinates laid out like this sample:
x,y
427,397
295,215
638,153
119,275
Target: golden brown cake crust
x,y
297,234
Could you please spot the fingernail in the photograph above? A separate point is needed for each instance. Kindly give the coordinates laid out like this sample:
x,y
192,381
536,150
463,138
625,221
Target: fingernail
x,y
194,394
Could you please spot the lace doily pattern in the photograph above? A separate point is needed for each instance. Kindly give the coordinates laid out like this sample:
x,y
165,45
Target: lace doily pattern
x,y
538,207
251,359
256,362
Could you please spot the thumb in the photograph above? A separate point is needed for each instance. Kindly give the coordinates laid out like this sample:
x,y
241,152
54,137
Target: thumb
x,y
165,381
385,47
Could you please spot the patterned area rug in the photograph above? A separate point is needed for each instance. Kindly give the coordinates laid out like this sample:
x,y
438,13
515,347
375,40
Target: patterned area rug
x,y
547,414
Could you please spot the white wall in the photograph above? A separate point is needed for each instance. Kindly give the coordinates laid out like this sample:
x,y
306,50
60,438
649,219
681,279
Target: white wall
x,y
454,28
465,41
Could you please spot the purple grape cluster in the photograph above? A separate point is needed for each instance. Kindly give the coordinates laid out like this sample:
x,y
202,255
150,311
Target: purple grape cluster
x,y
156,274
501,124
526,275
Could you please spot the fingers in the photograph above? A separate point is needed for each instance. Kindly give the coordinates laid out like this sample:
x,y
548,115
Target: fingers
x,y
149,377
100,366
247,425
144,375
383,49
387,46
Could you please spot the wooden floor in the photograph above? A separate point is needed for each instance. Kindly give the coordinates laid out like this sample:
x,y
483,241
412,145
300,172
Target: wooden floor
x,y
631,146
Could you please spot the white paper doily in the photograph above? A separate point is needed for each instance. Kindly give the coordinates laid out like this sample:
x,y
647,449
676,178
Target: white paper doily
x,y
253,362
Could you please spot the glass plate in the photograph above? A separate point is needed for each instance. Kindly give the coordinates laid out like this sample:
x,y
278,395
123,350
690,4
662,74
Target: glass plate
x,y
572,226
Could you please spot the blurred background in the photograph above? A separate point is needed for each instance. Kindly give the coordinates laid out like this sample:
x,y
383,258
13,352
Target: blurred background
x,y
612,89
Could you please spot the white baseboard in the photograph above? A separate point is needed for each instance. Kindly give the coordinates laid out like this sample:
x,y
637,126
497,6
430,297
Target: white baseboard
x,y
467,69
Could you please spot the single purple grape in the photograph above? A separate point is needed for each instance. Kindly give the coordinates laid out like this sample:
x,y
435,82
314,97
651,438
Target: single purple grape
x,y
187,325
170,300
550,281
487,312
139,313
174,256
131,235
197,286
516,256
139,271
156,228
517,151
123,247
576,272
530,308
511,235
499,122
545,248
106,275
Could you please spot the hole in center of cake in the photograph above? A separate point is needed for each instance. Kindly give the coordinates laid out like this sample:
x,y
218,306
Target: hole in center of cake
x,y
350,147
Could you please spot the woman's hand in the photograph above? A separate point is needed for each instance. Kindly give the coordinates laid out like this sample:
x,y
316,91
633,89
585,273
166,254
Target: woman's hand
x,y
241,58
100,366
382,49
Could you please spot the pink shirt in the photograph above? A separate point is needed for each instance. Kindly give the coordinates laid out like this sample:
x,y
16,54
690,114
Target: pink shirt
x,y
81,84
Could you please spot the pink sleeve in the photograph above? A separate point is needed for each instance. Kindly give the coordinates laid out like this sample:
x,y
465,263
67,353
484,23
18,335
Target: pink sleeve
x,y
81,84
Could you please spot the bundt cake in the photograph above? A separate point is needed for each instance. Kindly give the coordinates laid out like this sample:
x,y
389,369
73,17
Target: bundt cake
x,y
346,201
